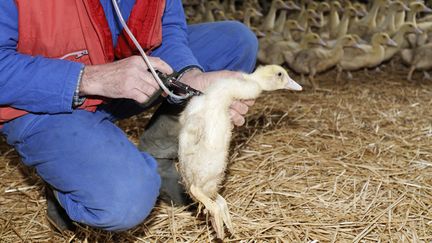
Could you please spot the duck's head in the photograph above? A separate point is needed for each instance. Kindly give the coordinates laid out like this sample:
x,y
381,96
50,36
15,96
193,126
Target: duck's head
x,y
274,77
312,5
323,7
279,4
382,3
212,5
349,41
399,6
361,9
336,5
314,39
351,12
410,28
253,12
292,24
418,7
312,13
383,38
292,5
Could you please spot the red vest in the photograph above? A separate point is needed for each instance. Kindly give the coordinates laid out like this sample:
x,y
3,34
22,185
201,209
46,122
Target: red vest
x,y
57,28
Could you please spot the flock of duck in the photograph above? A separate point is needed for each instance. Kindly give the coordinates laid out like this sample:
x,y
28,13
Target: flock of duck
x,y
312,37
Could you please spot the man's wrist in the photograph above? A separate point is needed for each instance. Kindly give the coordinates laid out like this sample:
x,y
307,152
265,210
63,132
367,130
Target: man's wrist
x,y
186,73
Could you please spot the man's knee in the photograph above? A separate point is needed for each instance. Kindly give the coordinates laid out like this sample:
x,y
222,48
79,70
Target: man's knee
x,y
245,39
241,46
121,200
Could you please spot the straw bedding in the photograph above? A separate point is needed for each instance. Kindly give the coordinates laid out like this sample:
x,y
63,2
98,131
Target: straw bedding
x,y
349,163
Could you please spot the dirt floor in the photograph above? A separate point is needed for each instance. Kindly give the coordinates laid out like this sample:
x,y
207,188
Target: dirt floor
x,y
350,162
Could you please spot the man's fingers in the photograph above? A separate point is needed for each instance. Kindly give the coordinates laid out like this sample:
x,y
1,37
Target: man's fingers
x,y
236,118
139,96
240,107
160,65
249,102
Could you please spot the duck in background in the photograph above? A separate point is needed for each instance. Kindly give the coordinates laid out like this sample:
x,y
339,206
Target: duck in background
x,y
368,56
318,59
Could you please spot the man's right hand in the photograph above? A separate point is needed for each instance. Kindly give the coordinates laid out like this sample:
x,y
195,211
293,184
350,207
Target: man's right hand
x,y
127,78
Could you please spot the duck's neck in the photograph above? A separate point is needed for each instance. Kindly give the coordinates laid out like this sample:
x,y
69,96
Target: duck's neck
x,y
231,6
370,19
209,15
399,38
269,21
247,19
280,22
334,21
377,50
287,34
245,90
303,19
399,19
343,26
411,17
389,22
336,53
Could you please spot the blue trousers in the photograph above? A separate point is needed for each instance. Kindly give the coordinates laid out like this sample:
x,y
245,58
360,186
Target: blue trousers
x,y
100,178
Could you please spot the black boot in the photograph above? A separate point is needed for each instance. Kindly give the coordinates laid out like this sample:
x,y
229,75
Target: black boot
x,y
160,139
56,215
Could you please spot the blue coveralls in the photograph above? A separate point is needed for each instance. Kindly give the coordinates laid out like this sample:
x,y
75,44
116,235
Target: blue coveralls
x,y
100,177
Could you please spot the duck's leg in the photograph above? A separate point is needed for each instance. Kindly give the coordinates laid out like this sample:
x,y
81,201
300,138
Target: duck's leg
x,y
410,73
350,77
339,73
312,79
223,206
212,207
426,76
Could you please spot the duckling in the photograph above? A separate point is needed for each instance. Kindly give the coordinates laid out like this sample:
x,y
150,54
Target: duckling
x,y
369,23
361,9
322,9
251,13
400,39
315,60
416,8
389,24
304,19
280,21
205,136
418,59
349,15
308,41
269,20
271,53
401,16
369,56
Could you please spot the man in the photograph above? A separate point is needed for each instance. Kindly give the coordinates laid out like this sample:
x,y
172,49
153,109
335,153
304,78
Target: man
x,y
67,72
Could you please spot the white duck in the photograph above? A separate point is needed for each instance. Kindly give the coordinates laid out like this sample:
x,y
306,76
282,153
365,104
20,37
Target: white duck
x,y
206,133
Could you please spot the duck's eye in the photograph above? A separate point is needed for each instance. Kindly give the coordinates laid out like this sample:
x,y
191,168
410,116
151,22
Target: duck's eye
x,y
279,74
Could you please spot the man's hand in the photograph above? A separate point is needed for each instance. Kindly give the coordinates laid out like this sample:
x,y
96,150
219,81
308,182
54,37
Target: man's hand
x,y
199,80
127,78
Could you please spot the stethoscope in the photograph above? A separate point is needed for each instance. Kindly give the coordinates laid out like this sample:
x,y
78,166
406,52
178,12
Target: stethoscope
x,y
169,79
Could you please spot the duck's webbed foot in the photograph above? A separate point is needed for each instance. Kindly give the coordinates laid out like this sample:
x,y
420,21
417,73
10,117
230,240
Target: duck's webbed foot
x,y
223,206
213,208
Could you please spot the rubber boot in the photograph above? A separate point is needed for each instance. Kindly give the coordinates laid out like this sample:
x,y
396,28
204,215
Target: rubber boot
x,y
56,215
160,139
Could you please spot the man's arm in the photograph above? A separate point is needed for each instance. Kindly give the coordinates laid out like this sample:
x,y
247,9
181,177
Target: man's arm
x,y
35,84
175,45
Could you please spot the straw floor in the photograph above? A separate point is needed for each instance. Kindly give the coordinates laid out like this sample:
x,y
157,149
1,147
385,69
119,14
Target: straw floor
x,y
351,162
